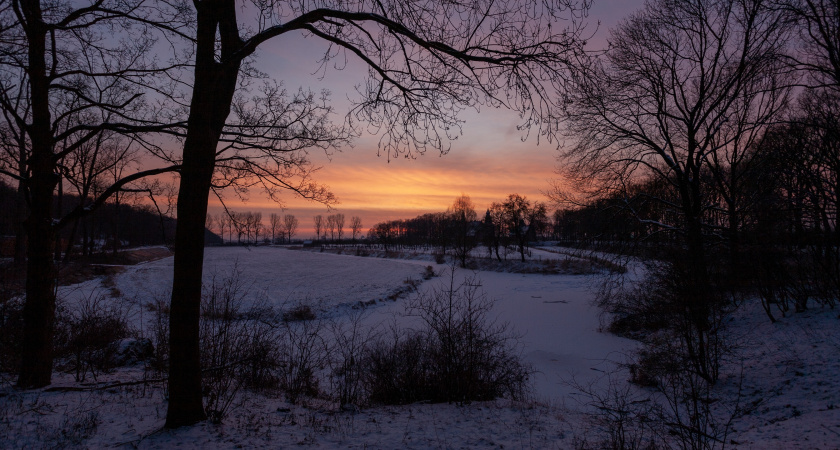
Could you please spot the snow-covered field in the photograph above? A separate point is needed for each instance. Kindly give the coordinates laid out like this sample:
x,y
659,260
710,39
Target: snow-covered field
x,y
791,369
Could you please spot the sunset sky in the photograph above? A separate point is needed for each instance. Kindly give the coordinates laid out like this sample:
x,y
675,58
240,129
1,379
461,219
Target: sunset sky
x,y
487,162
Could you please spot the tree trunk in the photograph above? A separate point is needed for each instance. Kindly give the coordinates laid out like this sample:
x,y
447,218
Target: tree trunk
x,y
115,223
85,236
71,239
697,289
215,83
20,228
39,309
736,269
58,213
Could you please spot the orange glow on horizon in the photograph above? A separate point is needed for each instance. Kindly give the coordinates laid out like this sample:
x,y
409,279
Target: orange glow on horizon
x,y
377,190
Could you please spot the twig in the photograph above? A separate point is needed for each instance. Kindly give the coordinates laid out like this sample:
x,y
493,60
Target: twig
x,y
102,387
829,429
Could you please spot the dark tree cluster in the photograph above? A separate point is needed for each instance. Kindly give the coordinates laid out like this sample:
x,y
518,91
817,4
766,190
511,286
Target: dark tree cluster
x,y
331,228
513,223
704,139
703,150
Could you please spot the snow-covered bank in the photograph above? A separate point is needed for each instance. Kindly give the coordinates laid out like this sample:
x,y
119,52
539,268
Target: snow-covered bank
x,y
791,379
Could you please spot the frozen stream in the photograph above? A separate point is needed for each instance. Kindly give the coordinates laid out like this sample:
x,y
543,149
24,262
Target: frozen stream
x,y
553,313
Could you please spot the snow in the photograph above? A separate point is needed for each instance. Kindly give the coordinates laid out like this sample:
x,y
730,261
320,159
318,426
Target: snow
x,y
791,369
282,276
791,379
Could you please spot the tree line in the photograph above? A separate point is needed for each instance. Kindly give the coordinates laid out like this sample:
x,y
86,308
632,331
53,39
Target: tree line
x,y
331,228
131,222
247,227
514,222
723,146
704,141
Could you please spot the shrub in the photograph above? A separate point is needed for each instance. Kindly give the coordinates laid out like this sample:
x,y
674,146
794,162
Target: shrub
x,y
303,354
440,258
237,344
618,417
674,302
88,335
159,328
350,341
11,333
459,354
398,370
72,431
298,313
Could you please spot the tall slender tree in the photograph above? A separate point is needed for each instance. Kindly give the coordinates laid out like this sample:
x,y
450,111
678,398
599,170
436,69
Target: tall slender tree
x,y
275,225
319,225
290,225
462,215
355,226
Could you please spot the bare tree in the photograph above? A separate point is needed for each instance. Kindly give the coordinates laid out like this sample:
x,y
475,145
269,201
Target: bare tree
x,y
225,224
339,225
95,165
804,186
355,226
209,221
257,226
501,231
682,84
819,40
522,218
276,226
222,224
462,213
330,227
290,225
238,224
319,225
14,149
425,68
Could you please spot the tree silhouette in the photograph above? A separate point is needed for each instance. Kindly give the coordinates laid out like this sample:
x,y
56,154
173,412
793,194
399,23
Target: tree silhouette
x,y
680,93
290,225
69,74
